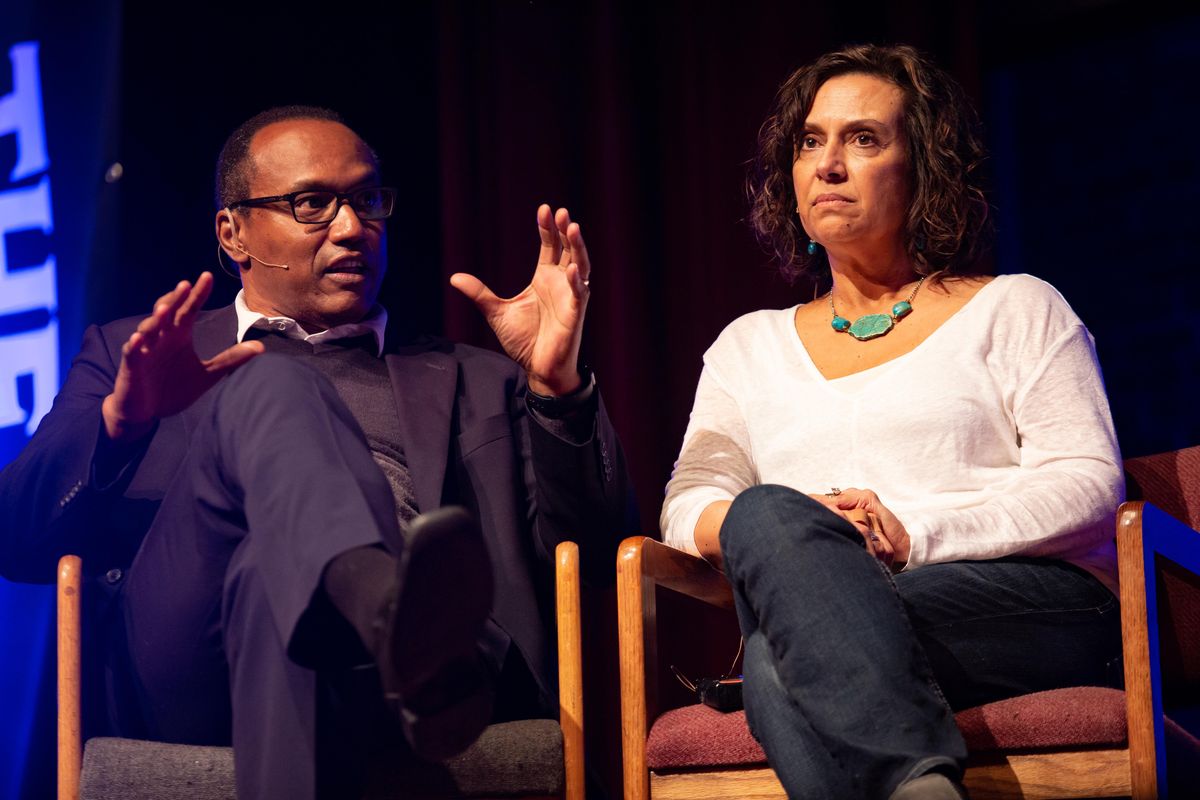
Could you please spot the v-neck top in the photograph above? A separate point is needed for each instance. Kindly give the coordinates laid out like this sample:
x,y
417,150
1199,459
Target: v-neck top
x,y
991,437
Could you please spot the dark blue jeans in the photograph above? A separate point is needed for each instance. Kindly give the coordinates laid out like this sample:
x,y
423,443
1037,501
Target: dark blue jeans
x,y
851,673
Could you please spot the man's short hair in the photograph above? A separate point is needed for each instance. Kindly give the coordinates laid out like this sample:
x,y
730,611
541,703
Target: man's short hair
x,y
234,165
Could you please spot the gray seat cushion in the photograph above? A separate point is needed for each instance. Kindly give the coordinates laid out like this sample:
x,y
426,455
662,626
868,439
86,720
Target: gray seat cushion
x,y
511,759
133,769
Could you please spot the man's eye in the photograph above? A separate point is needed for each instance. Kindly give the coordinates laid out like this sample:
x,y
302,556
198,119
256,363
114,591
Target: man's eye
x,y
370,198
313,202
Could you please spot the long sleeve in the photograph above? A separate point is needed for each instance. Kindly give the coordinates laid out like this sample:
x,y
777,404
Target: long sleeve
x,y
714,464
1062,498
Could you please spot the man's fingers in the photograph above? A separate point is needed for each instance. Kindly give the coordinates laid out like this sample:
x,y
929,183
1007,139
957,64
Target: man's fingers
x,y
132,344
475,290
170,296
152,322
562,221
194,300
579,253
134,351
230,359
575,280
551,242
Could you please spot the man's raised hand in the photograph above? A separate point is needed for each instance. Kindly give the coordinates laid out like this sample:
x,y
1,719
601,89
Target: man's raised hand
x,y
160,373
541,327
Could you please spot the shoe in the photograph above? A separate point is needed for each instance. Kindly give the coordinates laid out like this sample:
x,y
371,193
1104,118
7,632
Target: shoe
x,y
930,786
429,665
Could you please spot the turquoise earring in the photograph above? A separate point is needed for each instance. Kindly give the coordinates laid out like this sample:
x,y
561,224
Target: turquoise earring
x,y
812,247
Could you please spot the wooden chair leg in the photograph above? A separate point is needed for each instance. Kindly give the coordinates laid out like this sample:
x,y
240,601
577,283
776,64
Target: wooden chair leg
x,y
636,634
1134,629
69,658
570,666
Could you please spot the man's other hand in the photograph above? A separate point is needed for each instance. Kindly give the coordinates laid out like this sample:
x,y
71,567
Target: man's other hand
x,y
541,327
160,373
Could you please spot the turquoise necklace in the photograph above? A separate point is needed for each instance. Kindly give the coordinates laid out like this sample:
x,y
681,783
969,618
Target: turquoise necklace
x,y
871,326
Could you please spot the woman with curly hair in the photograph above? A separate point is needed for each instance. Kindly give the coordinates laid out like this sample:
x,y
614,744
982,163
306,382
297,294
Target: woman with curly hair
x,y
974,560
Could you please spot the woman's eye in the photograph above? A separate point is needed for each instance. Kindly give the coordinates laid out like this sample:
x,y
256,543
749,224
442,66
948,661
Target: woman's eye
x,y
808,142
864,139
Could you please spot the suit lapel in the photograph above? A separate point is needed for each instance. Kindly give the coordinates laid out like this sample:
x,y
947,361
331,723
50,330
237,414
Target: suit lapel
x,y
214,331
423,384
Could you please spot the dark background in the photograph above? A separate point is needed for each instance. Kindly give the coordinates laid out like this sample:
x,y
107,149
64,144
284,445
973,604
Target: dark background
x,y
640,117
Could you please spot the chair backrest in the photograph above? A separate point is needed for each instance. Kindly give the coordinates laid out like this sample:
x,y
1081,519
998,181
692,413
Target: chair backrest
x,y
1171,481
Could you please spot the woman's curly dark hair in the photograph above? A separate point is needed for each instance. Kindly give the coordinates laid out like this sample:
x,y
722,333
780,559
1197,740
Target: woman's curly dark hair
x,y
948,226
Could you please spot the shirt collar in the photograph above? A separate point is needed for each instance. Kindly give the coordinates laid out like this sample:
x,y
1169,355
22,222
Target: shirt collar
x,y
374,323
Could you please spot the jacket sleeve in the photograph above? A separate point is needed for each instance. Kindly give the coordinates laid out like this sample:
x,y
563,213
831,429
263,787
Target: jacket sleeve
x,y
51,499
582,491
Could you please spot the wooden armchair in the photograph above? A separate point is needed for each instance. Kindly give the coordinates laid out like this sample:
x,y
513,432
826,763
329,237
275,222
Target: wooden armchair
x,y
532,759
1077,742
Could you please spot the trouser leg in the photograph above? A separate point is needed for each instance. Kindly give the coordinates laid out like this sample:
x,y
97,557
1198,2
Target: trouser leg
x,y
832,629
798,753
997,629
277,481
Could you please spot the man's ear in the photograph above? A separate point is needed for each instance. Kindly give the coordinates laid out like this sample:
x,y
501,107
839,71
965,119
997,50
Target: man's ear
x,y
227,237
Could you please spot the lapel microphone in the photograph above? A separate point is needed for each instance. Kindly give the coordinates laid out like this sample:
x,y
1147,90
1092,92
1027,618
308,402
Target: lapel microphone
x,y
237,243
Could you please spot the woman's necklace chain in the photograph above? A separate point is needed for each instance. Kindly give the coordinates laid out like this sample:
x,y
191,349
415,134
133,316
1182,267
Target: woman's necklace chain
x,y
872,326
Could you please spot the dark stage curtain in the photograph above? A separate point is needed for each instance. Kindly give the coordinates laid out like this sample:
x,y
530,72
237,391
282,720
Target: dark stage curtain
x,y
640,117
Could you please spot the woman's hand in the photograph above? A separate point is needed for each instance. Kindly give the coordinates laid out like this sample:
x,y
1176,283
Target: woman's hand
x,y
884,535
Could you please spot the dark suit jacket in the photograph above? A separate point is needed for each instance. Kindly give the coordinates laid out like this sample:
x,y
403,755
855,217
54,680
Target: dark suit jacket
x,y
468,439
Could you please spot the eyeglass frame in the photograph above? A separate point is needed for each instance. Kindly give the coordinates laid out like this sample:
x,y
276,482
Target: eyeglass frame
x,y
339,198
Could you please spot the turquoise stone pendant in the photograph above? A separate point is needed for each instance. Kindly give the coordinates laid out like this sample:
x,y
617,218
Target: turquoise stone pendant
x,y
870,326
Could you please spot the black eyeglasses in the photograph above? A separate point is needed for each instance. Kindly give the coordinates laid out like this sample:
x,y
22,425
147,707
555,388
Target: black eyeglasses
x,y
318,206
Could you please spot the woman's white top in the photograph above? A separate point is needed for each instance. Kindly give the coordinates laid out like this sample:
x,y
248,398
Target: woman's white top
x,y
990,438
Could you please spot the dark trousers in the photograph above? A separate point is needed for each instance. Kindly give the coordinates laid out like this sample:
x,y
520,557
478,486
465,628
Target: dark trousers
x,y
218,603
851,673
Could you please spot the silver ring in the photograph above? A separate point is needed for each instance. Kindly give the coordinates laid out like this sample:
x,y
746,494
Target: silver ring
x,y
874,539
833,492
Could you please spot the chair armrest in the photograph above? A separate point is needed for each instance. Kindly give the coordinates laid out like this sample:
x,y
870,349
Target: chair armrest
x,y
570,665
643,564
1143,533
70,582
679,571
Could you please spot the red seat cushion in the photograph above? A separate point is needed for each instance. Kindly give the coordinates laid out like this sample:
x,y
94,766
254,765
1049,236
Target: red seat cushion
x,y
1076,717
698,736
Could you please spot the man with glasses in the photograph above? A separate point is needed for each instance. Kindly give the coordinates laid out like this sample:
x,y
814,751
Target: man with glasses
x,y
292,508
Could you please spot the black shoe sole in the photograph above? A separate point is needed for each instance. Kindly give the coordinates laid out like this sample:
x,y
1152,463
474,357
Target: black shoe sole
x,y
435,622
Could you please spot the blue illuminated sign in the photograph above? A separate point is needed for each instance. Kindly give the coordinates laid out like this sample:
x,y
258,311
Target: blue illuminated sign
x,y
29,376
28,290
